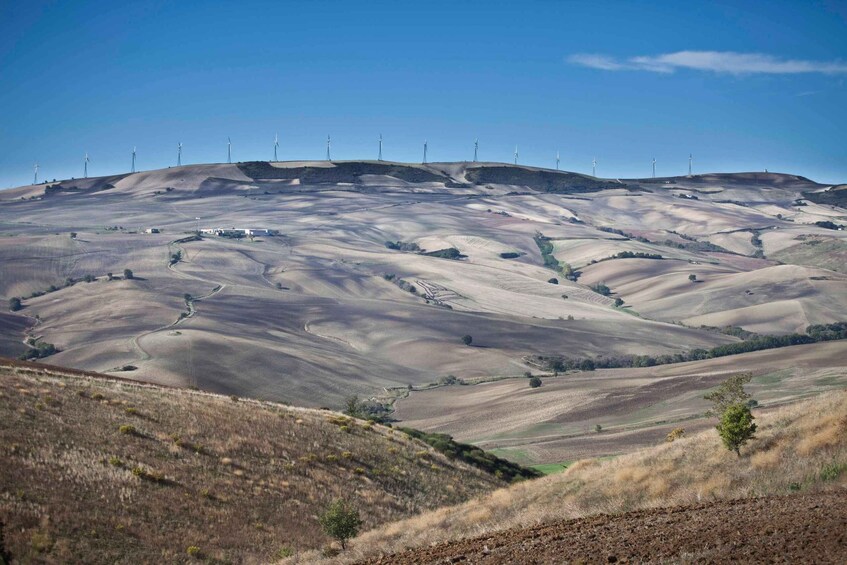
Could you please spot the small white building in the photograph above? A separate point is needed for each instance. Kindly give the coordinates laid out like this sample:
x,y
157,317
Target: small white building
x,y
257,231
152,230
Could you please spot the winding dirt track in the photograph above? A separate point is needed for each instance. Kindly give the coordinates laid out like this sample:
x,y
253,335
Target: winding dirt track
x,y
787,529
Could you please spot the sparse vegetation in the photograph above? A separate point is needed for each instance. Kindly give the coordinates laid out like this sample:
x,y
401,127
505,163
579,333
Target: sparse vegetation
x,y
467,340
449,253
15,304
534,382
815,333
128,274
510,255
601,288
692,277
403,246
203,472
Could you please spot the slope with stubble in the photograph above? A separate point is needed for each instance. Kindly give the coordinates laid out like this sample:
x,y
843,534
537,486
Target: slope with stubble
x,y
798,449
102,471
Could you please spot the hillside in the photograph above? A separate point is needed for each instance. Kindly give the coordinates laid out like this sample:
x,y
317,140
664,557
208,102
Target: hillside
x,y
105,471
799,449
352,293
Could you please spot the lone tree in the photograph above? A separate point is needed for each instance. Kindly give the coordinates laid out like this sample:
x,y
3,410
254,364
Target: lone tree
x,y
692,277
341,521
534,382
353,406
736,427
128,274
15,304
618,302
730,392
467,340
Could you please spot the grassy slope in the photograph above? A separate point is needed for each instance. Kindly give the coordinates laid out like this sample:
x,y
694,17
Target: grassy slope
x,y
802,447
238,479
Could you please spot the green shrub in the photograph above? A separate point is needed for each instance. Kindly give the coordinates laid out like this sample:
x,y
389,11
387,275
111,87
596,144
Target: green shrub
x,y
692,277
510,255
535,382
128,429
193,551
128,274
15,304
341,521
736,427
831,471
467,340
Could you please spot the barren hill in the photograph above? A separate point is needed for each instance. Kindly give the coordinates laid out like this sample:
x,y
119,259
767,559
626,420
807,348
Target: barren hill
x,y
105,471
375,270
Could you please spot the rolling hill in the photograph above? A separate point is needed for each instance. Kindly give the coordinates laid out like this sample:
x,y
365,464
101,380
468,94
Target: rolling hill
x,y
100,470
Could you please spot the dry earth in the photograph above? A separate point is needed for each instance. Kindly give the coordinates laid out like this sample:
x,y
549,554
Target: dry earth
x,y
306,316
787,529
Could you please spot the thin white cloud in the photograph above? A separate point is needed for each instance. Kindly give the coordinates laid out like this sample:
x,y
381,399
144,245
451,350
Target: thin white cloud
x,y
727,62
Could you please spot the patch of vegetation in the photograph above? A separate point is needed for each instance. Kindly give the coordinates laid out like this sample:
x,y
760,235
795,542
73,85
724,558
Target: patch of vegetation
x,y
473,455
128,274
835,196
449,253
555,182
826,224
403,284
402,246
175,258
467,340
15,304
341,172
814,334
38,350
510,255
736,427
341,521
550,261
601,288
690,243
535,382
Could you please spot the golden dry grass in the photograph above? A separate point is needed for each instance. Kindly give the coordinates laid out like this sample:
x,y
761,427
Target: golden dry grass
x,y
100,471
802,447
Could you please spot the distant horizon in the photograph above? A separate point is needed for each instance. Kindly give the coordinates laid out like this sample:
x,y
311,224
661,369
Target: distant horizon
x,y
389,161
742,87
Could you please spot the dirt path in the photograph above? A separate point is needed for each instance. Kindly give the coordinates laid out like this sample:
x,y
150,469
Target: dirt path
x,y
787,529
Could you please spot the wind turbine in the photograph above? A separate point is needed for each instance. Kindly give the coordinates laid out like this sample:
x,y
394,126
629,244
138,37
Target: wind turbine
x,y
179,154
35,178
594,167
654,167
133,159
276,145
228,150
475,149
424,152
516,154
85,167
557,159
690,158
328,145
379,158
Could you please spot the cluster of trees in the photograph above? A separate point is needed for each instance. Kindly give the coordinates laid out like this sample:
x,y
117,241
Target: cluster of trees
x,y
690,244
402,246
829,225
601,288
635,255
814,334
176,257
546,249
403,284
510,255
473,455
38,350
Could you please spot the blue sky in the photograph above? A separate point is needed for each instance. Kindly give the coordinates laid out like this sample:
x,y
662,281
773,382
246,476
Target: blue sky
x,y
742,88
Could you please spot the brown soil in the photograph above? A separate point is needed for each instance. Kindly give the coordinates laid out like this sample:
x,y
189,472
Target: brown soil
x,y
787,529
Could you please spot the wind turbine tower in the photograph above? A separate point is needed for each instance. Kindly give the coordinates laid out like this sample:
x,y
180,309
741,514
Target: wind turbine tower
x,y
654,167
133,159
328,145
379,158
276,145
424,152
228,150
594,167
557,159
85,167
516,154
35,178
475,149
690,158
179,154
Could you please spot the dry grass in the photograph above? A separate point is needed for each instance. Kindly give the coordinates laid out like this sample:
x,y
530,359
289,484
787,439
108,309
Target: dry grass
x,y
100,471
802,447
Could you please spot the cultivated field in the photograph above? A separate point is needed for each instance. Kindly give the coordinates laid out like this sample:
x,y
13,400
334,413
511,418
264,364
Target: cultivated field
x,y
635,407
323,309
